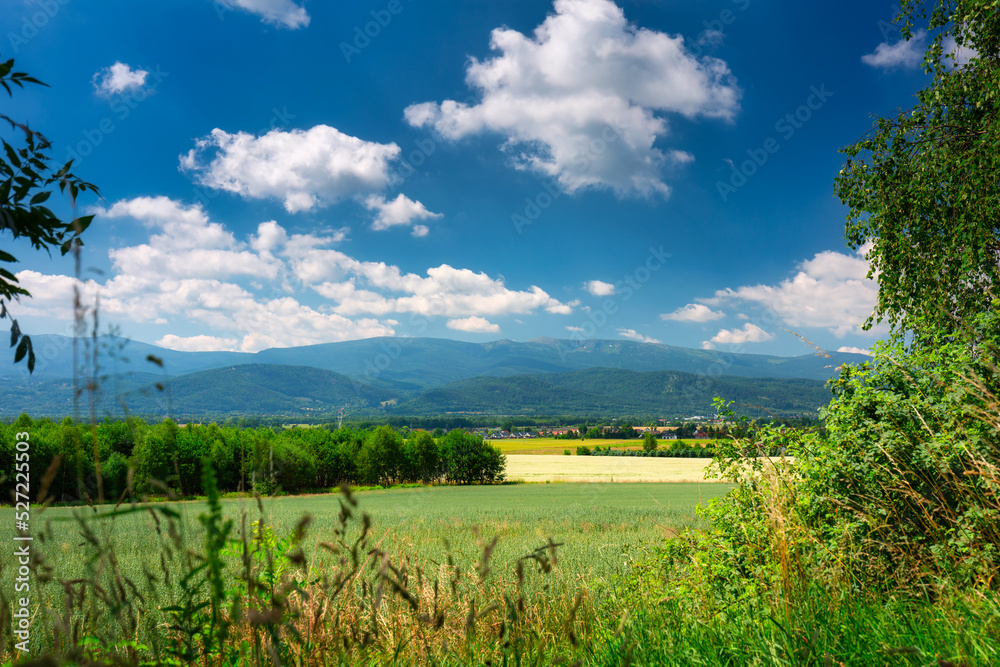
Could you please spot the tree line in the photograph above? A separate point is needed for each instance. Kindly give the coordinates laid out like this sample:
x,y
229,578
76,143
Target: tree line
x,y
140,458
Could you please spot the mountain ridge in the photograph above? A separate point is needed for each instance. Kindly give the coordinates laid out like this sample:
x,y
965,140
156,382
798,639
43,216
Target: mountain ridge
x,y
435,362
305,391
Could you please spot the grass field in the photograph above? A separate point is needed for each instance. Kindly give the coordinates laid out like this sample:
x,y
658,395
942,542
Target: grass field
x,y
554,446
603,525
604,529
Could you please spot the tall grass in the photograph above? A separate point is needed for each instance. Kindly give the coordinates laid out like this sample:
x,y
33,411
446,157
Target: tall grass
x,y
350,602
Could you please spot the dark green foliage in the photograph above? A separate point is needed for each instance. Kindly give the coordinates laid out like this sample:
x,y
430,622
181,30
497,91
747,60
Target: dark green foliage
x,y
471,460
923,187
294,390
649,442
114,471
27,180
166,458
116,436
152,460
907,470
381,458
424,457
294,466
611,392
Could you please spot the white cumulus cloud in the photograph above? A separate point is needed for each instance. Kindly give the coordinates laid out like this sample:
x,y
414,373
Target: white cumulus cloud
x,y
693,312
400,211
632,334
285,13
118,79
829,291
903,54
599,288
473,324
304,169
272,289
199,343
854,350
750,333
583,99
378,288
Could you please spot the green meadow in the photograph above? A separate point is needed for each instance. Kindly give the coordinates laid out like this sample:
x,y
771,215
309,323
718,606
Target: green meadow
x,y
603,526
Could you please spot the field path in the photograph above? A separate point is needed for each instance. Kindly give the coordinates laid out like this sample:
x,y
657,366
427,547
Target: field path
x,y
543,467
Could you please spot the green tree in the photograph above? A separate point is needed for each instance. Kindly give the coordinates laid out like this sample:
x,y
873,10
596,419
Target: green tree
x,y
152,460
424,456
27,180
649,442
294,466
115,436
923,188
470,459
381,457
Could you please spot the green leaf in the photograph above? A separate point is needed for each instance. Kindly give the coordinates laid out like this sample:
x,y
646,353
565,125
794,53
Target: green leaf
x,y
22,349
40,197
80,224
12,155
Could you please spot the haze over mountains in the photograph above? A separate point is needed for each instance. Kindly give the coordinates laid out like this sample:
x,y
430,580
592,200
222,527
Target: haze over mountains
x,y
423,376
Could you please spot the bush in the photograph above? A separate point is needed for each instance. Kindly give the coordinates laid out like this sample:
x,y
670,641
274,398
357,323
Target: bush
x,y
902,491
583,450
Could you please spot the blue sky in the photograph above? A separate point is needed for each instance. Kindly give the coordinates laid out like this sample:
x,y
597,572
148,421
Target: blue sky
x,y
277,172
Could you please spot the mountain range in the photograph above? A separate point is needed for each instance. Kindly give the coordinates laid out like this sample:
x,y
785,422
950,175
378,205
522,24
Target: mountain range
x,y
420,376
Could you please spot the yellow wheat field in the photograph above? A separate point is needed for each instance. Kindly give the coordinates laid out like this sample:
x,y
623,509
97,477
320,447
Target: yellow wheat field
x,y
543,467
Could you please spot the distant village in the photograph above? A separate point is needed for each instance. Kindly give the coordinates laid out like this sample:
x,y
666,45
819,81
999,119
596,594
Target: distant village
x,y
609,432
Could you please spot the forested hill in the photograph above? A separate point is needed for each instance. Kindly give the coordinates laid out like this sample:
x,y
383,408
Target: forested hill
x,y
415,363
250,389
613,392
263,389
